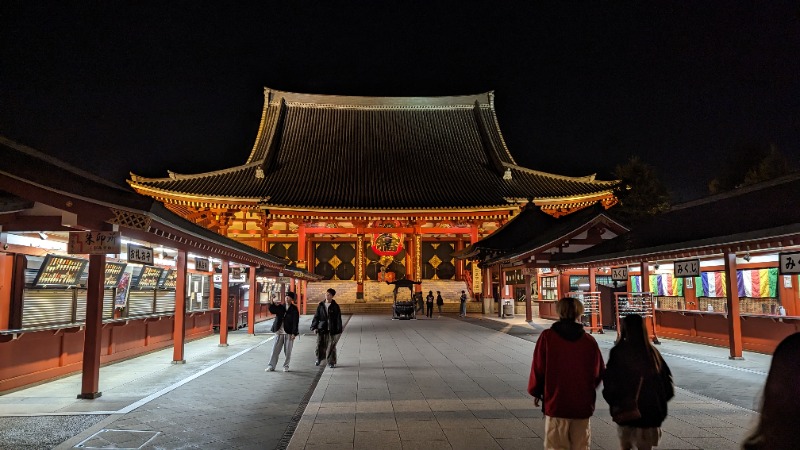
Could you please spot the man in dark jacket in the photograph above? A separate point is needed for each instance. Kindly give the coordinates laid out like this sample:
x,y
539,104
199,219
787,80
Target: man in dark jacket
x,y
567,367
286,328
327,324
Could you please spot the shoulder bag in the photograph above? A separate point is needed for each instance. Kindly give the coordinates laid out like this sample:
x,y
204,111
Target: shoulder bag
x,y
628,411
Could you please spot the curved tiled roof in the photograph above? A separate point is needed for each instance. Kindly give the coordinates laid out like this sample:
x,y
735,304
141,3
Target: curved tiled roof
x,y
375,153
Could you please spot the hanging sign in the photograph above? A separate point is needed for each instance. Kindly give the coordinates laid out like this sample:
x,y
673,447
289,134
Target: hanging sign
x,y
140,254
201,264
789,263
284,280
217,278
686,268
619,273
93,242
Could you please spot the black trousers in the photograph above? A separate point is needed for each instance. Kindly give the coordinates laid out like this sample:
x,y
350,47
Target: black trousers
x,y
326,346
430,310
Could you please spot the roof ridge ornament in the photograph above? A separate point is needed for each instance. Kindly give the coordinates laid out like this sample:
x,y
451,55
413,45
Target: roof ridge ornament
x,y
507,174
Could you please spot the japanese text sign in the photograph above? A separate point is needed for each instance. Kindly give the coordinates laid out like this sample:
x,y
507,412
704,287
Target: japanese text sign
x,y
201,264
93,242
789,263
140,254
686,268
619,273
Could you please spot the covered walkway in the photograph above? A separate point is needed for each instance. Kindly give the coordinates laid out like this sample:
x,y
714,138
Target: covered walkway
x,y
436,383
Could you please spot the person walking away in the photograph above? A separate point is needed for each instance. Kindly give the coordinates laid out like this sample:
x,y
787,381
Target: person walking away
x,y
779,417
637,379
429,304
327,325
286,327
463,310
439,302
566,369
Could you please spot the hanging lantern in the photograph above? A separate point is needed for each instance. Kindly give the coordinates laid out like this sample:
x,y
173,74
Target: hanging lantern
x,y
387,243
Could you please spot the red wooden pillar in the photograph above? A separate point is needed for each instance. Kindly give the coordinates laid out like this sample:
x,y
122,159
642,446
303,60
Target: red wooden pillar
x,y
251,305
644,270
304,296
90,380
223,304
459,262
732,298
302,246
528,304
501,280
473,233
179,326
594,317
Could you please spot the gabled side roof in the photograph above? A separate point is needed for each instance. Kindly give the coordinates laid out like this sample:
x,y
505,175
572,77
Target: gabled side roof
x,y
24,167
765,213
375,153
533,230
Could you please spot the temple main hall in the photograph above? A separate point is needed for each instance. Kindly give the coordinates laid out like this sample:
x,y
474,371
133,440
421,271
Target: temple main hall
x,y
368,190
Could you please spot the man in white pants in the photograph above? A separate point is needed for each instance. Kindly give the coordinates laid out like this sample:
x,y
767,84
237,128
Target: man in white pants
x,y
286,328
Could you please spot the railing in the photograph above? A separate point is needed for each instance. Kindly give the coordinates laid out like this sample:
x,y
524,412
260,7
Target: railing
x,y
640,303
468,280
592,314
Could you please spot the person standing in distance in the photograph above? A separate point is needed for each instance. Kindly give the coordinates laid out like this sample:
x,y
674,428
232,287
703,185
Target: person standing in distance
x,y
439,302
567,367
327,325
429,304
286,328
463,299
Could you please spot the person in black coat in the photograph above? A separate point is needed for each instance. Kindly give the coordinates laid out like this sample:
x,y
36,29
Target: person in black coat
x,y
327,324
429,304
439,302
637,375
286,328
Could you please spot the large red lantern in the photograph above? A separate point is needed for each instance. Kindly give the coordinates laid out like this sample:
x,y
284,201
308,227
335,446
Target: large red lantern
x,y
387,243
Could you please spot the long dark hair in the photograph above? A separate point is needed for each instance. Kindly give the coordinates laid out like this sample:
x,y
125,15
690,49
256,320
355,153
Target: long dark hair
x,y
634,336
780,402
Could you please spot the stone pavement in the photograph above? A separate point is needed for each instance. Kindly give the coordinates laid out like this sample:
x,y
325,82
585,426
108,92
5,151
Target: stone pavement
x,y
429,383
444,384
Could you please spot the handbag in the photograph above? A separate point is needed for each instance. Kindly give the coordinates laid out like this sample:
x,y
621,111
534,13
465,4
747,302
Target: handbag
x,y
629,411
322,325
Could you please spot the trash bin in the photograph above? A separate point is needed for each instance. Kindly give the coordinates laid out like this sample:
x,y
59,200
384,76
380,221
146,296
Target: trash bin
x,y
508,308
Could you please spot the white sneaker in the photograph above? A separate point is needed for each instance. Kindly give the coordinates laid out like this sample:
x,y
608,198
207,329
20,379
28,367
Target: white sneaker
x,y
269,369
285,369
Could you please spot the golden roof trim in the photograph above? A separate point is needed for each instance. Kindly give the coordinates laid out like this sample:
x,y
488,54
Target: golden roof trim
x,y
174,176
275,96
584,179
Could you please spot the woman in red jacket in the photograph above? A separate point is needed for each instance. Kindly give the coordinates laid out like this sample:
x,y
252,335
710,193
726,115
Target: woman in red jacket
x,y
567,367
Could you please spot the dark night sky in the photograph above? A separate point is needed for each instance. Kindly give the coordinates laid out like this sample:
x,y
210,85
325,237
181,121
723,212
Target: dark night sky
x,y
145,87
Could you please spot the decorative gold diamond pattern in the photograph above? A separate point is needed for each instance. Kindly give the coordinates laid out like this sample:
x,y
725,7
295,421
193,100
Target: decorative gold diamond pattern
x,y
435,261
335,261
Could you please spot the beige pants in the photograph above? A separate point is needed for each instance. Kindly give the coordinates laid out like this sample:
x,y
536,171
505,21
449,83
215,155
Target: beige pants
x,y
567,434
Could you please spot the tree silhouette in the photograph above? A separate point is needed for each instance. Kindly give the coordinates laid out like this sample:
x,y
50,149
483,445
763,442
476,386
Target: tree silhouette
x,y
641,194
750,164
